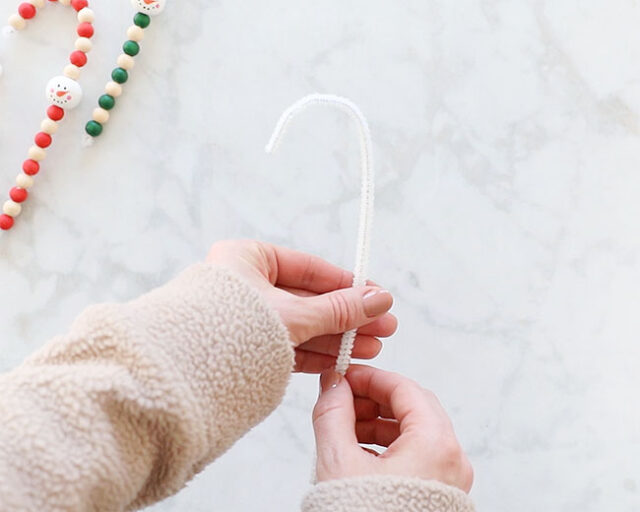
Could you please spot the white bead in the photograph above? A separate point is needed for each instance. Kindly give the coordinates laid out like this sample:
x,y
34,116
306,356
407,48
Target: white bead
x,y
135,33
84,44
86,15
24,181
64,92
72,71
49,126
113,89
16,21
12,208
100,115
37,3
150,8
37,153
126,61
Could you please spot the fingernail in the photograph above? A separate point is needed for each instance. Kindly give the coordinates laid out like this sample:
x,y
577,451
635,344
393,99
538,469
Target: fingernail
x,y
329,380
377,302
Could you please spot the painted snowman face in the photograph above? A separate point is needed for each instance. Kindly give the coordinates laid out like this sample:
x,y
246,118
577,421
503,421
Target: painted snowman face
x,y
150,7
64,92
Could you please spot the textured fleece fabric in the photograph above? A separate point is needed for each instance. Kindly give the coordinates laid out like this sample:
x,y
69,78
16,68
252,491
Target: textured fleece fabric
x,y
139,397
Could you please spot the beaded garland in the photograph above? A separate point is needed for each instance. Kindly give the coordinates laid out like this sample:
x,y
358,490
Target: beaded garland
x,y
131,47
63,93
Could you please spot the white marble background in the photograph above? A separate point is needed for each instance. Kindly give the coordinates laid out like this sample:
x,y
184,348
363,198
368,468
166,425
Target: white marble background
x,y
507,135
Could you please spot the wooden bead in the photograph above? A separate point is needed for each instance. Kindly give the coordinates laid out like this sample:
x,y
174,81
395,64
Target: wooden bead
x,y
86,15
78,58
12,208
27,10
31,167
37,154
55,113
126,61
71,71
6,222
119,75
17,21
85,29
24,181
49,126
78,5
113,89
43,140
64,2
100,115
135,33
84,44
93,128
142,20
37,3
18,194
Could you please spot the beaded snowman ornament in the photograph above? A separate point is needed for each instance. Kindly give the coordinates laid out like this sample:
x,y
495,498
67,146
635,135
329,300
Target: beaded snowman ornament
x,y
63,93
135,33
367,194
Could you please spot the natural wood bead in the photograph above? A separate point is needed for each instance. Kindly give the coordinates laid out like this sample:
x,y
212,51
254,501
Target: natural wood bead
x,y
17,21
86,15
72,71
84,44
12,208
126,61
113,89
135,33
100,115
49,126
36,153
24,181
64,2
37,3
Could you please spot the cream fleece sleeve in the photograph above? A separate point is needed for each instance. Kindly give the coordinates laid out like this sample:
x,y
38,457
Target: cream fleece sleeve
x,y
138,397
386,494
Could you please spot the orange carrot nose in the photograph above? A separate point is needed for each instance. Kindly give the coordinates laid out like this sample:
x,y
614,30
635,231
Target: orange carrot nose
x,y
60,93
150,2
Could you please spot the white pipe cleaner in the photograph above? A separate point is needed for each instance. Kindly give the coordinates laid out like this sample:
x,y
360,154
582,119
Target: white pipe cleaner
x,y
367,194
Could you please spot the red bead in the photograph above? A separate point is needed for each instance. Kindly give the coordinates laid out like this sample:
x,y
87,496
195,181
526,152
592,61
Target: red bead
x,y
55,113
43,140
31,167
19,195
85,29
27,11
6,222
78,58
78,5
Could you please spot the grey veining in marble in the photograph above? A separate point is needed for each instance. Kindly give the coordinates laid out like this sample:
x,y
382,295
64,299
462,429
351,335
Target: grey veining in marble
x,y
507,137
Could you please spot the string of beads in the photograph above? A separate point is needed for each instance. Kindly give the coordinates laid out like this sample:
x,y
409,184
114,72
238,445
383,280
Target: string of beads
x,y
125,63
63,93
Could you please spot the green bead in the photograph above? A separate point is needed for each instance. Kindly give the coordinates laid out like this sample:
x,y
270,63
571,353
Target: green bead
x,y
106,101
131,48
93,128
120,75
142,20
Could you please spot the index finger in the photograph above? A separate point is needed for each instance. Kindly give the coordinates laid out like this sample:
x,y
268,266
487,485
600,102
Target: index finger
x,y
411,405
304,271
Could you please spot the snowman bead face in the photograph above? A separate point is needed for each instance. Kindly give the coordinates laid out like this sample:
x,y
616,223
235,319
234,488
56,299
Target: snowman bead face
x,y
150,7
64,92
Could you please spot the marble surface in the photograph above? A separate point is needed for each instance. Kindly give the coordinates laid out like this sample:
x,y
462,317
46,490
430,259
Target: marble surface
x,y
507,138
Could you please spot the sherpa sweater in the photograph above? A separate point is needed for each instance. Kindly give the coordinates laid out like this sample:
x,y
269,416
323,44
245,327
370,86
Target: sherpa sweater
x,y
137,398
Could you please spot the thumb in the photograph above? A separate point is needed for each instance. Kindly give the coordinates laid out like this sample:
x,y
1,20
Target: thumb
x,y
334,420
343,310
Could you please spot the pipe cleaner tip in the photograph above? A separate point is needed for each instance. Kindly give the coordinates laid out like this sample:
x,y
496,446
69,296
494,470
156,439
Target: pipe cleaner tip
x,y
87,141
8,31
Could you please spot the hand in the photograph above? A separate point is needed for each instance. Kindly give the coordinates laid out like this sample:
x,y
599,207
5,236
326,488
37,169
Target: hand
x,y
391,411
314,299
